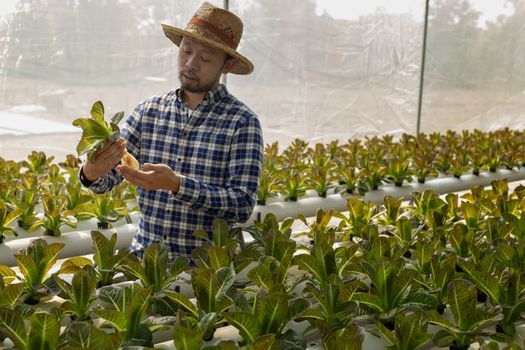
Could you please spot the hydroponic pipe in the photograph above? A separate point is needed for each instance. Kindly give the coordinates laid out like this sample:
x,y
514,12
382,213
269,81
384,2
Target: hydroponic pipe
x,y
309,206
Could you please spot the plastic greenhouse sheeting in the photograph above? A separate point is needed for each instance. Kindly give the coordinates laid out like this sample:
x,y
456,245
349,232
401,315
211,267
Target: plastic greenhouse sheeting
x,y
324,69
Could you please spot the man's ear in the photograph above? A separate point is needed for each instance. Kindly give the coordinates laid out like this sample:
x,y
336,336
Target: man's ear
x,y
228,65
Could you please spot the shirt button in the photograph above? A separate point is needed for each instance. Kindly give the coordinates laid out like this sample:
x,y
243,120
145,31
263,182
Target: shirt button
x,y
168,210
165,237
179,159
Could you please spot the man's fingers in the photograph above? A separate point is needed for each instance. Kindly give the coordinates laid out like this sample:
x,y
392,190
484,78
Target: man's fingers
x,y
136,177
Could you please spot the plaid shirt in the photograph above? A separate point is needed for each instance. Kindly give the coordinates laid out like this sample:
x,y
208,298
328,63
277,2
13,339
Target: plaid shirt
x,y
217,150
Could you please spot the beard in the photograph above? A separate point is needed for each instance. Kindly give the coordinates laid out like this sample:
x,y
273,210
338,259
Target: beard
x,y
195,85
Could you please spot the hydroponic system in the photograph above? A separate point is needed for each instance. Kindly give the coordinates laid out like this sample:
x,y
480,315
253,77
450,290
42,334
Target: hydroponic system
x,y
390,211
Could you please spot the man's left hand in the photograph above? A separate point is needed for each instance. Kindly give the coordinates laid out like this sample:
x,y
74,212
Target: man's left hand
x,y
153,177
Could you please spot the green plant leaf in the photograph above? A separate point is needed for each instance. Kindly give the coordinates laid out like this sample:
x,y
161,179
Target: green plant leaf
x,y
137,308
262,277
117,117
97,111
7,273
184,302
83,286
220,232
347,338
83,335
273,312
94,135
116,318
386,333
247,324
218,257
179,265
44,332
411,330
225,279
201,234
11,294
310,314
73,265
186,338
12,326
155,261
462,300
370,300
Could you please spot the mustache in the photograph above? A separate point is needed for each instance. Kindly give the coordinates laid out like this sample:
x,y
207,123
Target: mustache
x,y
188,73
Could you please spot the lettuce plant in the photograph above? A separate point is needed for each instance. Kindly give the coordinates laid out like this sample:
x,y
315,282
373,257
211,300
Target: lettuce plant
x,y
268,186
410,332
442,271
320,226
153,270
391,290
10,293
41,332
398,170
80,293
274,245
76,195
503,288
347,338
34,265
328,285
55,215
96,132
373,173
25,202
6,218
212,293
223,248
470,321
478,161
320,180
321,166
443,159
37,162
392,213
123,310
269,314
84,335
104,207
8,190
9,170
293,184
360,214
106,258
349,177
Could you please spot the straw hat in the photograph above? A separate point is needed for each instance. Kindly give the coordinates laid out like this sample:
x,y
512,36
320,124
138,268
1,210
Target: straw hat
x,y
217,28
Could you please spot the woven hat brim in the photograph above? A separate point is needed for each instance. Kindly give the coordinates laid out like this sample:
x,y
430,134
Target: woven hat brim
x,y
242,66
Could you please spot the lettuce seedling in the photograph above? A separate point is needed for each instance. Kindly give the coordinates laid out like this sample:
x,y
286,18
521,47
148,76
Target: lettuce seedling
x,y
96,132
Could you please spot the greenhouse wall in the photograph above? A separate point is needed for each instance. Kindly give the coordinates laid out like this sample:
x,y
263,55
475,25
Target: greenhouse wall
x,y
323,71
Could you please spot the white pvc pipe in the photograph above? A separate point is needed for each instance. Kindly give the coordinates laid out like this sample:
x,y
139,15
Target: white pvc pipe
x,y
76,243
308,206
79,242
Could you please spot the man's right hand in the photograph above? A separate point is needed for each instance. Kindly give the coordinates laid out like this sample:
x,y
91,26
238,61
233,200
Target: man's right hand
x,y
105,159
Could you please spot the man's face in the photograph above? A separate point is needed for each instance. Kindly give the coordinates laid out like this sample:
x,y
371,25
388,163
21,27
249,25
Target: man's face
x,y
200,66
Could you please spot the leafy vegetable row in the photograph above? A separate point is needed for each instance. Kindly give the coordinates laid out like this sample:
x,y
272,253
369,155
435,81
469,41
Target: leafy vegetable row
x,y
456,263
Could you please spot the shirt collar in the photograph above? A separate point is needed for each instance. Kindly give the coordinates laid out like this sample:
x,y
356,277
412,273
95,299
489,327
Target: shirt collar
x,y
212,97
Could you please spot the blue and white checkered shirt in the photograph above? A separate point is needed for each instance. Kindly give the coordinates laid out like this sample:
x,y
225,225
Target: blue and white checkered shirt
x,y
217,150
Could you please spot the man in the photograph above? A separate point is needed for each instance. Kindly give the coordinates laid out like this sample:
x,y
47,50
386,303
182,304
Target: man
x,y
200,148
